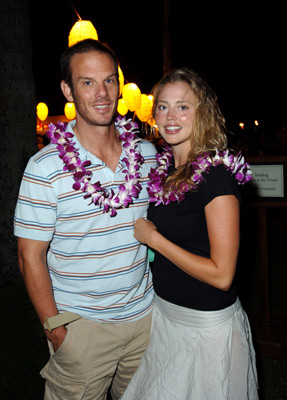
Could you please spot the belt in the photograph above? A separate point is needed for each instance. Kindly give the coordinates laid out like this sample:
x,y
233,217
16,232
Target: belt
x,y
60,319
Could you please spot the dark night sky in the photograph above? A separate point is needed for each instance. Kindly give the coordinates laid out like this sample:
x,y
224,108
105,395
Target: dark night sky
x,y
239,49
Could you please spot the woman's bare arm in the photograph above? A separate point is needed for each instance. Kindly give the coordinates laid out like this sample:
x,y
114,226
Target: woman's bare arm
x,y
222,217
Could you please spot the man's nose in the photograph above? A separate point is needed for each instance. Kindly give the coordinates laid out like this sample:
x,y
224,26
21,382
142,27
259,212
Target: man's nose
x,y
101,90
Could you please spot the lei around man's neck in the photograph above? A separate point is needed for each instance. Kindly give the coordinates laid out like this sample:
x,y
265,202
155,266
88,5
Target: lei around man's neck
x,y
107,200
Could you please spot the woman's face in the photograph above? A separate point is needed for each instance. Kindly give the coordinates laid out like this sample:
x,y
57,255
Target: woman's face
x,y
174,114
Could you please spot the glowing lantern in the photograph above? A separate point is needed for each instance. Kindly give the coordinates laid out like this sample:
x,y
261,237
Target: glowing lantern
x,y
70,111
122,107
121,81
82,30
151,97
145,110
42,111
132,96
152,123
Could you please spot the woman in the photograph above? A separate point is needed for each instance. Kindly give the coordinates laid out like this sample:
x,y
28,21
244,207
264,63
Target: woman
x,y
200,345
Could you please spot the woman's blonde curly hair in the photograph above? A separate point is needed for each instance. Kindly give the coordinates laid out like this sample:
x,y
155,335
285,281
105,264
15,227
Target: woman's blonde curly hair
x,y
208,130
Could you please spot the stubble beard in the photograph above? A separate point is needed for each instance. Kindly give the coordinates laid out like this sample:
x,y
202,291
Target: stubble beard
x,y
91,121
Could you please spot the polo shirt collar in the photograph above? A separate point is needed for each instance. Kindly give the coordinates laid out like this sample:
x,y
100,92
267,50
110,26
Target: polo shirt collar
x,y
86,155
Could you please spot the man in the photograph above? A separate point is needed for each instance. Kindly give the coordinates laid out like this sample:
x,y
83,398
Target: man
x,y
79,260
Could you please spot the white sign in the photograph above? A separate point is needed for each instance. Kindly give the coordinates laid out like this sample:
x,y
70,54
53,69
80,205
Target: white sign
x,y
269,180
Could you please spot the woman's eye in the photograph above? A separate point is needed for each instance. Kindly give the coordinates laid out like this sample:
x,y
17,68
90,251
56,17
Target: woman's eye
x,y
183,108
162,107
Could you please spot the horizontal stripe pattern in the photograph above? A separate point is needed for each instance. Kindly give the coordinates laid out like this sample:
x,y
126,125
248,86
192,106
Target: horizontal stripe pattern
x,y
98,269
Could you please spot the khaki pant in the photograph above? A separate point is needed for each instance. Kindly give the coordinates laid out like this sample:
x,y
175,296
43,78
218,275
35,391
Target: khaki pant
x,y
94,356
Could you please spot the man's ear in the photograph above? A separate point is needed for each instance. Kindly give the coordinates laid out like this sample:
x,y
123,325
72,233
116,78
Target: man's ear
x,y
67,92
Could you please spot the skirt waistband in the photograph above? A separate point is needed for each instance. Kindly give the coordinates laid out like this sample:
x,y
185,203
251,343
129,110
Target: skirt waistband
x,y
196,318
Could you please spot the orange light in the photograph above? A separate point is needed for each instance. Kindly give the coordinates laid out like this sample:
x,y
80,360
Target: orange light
x,y
132,96
42,111
121,80
241,125
122,107
82,30
144,113
70,111
152,123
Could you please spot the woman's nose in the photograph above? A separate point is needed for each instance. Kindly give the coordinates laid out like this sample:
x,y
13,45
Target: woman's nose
x,y
171,114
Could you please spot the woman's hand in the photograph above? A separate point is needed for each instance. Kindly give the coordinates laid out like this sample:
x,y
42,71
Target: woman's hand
x,y
143,231
222,218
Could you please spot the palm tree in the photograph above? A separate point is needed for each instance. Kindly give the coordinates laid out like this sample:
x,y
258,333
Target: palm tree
x,y
17,120
166,55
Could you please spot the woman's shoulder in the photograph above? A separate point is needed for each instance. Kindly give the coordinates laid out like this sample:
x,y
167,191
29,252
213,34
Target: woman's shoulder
x,y
218,181
218,172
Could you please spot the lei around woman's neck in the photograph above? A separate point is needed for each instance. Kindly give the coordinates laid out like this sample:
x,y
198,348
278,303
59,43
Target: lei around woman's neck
x,y
156,186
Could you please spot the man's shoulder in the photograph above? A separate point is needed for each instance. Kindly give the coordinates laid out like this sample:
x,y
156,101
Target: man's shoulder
x,y
147,147
45,162
46,153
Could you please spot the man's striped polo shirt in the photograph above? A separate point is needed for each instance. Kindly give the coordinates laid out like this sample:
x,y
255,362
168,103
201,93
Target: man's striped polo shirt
x,y
98,269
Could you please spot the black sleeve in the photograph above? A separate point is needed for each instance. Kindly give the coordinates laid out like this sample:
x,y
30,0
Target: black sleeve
x,y
218,181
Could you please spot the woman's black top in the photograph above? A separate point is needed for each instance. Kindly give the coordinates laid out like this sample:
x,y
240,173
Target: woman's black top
x,y
185,225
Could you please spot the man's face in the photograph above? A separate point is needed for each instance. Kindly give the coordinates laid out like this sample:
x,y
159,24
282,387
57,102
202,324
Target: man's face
x,y
95,87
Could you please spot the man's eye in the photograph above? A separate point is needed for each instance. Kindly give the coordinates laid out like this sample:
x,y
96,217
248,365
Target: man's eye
x,y
110,80
88,83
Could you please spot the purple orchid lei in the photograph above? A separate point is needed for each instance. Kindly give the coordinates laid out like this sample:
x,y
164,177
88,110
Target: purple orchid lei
x,y
108,200
234,163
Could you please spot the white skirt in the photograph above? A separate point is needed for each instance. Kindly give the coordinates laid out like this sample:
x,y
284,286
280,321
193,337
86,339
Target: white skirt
x,y
196,355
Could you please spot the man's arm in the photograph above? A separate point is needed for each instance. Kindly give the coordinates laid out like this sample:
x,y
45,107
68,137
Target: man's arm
x,y
33,266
